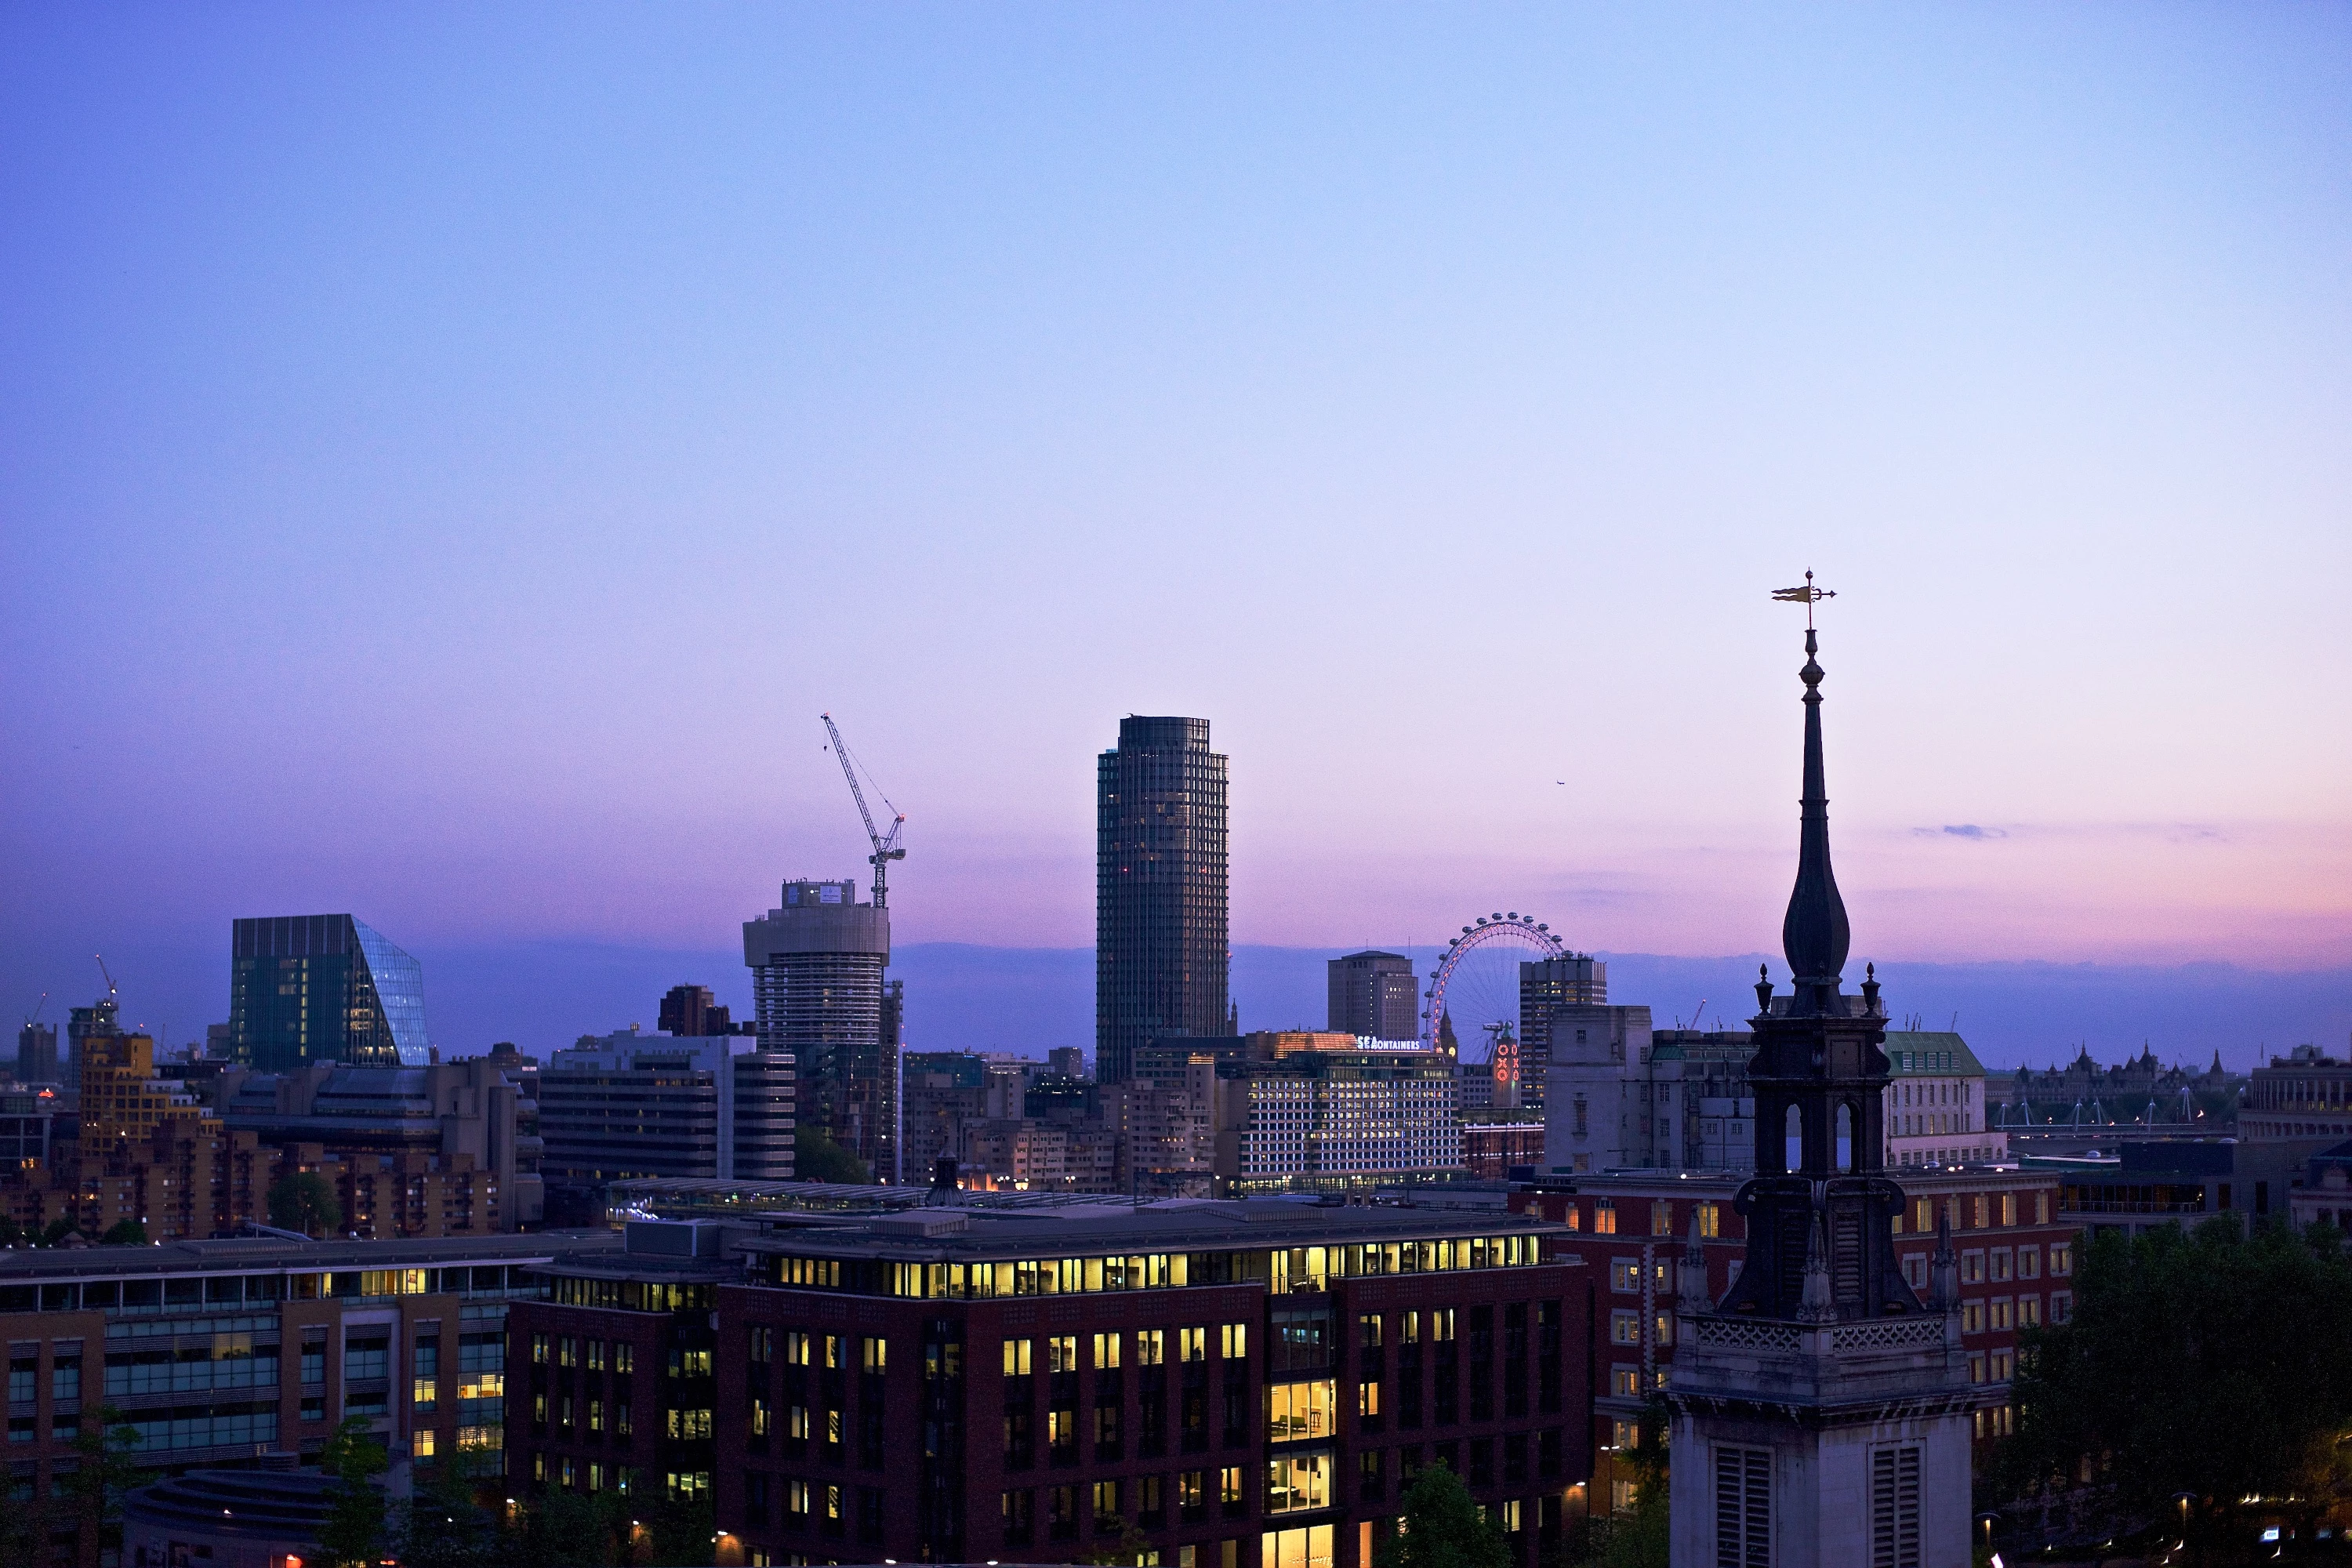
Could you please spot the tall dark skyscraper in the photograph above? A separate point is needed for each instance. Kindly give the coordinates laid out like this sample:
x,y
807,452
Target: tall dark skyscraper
x,y
36,1053
1161,947
1374,993
322,988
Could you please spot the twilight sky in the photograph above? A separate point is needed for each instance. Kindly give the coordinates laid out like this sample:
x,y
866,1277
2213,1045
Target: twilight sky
x,y
449,456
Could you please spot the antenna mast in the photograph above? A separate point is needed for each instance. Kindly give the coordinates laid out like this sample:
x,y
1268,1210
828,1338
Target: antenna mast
x,y
885,845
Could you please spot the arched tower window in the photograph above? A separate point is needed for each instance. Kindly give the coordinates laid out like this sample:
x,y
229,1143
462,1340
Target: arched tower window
x,y
1845,1137
1792,1139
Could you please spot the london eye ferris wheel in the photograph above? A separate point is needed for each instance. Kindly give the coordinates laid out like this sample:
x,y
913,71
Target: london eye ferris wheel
x,y
1473,1002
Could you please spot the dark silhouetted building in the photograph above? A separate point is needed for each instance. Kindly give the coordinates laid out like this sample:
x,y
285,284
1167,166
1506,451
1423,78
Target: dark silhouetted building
x,y
1375,995
103,1016
324,988
30,1123
36,1054
1161,949
692,1010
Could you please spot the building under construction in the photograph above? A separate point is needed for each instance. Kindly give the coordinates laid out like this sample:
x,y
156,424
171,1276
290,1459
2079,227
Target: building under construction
x,y
816,983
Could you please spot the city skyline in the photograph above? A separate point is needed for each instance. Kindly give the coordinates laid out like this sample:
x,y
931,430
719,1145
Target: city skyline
x,y
413,436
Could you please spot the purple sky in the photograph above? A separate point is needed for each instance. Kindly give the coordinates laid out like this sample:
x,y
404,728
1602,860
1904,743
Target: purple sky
x,y
448,457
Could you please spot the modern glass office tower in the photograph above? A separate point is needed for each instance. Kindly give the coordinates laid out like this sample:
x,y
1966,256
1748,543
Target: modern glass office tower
x,y
1161,948
316,988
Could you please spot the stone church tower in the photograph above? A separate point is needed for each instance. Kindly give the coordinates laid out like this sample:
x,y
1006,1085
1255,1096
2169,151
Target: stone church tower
x,y
1820,1409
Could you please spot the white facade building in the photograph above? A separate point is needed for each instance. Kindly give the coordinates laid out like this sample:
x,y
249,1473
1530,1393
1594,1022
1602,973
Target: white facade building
x,y
1603,1109
1325,1119
1936,1102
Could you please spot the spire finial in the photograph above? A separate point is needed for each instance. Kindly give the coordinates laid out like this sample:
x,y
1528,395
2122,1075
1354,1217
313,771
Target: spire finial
x,y
1814,933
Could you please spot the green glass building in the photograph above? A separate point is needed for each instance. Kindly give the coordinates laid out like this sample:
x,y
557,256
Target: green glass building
x,y
316,988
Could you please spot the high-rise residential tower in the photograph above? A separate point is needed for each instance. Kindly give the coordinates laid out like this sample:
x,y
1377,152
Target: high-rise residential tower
x,y
36,1053
1577,980
816,983
1161,948
318,988
1374,993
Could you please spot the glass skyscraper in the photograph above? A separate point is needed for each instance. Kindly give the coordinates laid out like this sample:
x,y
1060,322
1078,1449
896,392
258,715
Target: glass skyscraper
x,y
318,988
1161,948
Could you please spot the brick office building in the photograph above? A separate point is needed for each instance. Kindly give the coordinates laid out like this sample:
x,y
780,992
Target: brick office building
x,y
219,1351
615,1367
2014,1249
1208,1385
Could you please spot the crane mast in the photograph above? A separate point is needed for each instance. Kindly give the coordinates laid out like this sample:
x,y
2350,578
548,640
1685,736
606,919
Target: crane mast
x,y
885,845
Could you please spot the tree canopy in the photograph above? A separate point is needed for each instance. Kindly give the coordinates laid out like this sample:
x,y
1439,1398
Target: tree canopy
x,y
817,1158
354,1535
305,1200
2209,1362
1441,1527
105,1471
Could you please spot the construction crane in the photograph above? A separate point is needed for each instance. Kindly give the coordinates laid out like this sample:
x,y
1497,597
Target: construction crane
x,y
33,1017
108,973
885,845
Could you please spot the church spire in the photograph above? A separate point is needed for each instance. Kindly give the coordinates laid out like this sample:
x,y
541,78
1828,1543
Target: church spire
x,y
1813,935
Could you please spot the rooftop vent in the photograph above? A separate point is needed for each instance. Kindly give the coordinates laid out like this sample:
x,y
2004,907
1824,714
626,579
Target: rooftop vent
x,y
673,1237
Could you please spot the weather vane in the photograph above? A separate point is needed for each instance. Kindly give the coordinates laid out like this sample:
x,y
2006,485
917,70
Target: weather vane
x,y
1807,596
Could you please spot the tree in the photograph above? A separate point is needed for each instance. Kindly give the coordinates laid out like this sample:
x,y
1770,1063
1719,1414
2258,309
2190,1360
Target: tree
x,y
59,1230
305,1200
1441,1528
564,1530
2181,1370
11,1233
817,1158
682,1534
124,1233
443,1525
106,1473
354,1535
1641,1536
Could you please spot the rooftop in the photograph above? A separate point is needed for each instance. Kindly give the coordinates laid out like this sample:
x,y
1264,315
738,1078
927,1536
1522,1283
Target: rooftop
x,y
262,1255
1918,1053
1177,1224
